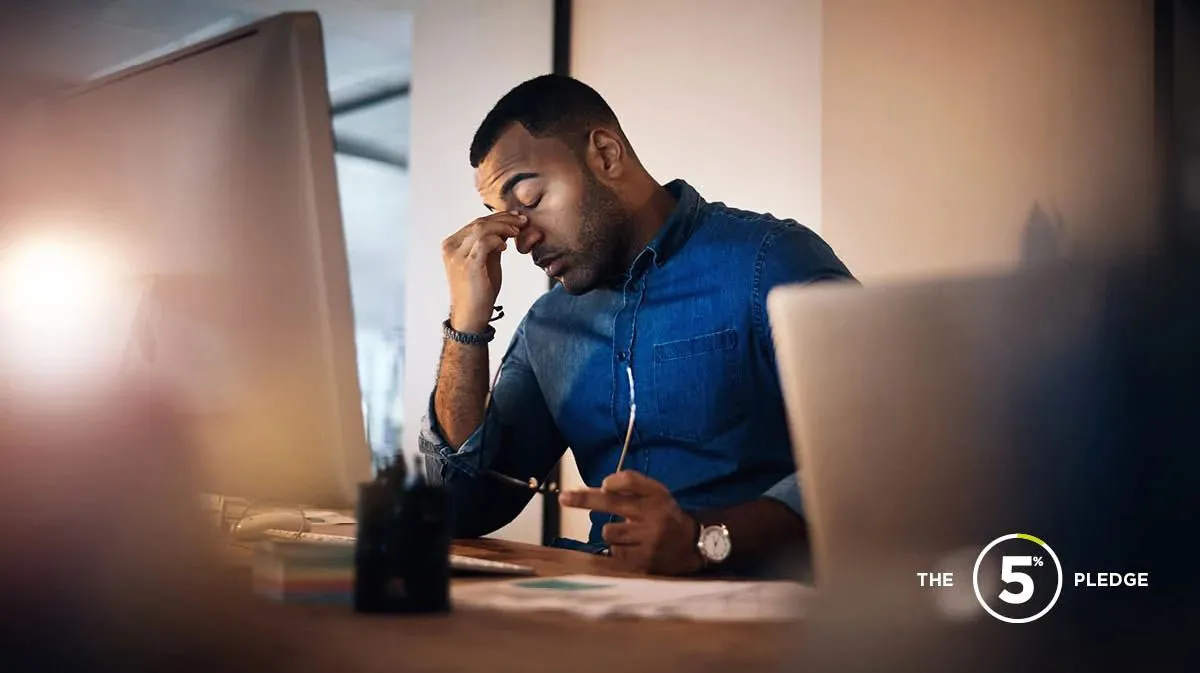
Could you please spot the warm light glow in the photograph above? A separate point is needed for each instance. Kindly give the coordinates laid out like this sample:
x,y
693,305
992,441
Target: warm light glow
x,y
57,296
51,283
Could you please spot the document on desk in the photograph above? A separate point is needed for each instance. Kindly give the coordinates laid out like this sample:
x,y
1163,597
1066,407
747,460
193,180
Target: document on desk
x,y
598,597
328,517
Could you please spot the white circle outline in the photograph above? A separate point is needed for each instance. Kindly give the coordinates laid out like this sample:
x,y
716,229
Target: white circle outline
x,y
979,594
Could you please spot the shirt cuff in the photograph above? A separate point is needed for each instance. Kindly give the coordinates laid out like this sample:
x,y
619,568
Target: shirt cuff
x,y
442,460
787,491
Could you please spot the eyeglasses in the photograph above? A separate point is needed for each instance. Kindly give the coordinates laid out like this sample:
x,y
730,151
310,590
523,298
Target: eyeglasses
x,y
532,483
632,416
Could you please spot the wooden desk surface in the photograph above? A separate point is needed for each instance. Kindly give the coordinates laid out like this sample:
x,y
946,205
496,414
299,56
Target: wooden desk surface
x,y
334,639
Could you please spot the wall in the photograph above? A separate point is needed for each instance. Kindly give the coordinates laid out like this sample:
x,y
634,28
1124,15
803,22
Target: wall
x,y
466,55
726,95
948,124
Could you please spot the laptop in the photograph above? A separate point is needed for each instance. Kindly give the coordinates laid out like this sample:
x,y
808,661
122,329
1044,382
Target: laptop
x,y
930,417
918,414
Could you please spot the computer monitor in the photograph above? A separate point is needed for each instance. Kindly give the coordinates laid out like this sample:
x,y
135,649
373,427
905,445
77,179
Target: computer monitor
x,y
209,173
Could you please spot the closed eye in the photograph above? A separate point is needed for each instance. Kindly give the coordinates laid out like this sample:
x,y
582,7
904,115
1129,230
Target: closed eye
x,y
533,205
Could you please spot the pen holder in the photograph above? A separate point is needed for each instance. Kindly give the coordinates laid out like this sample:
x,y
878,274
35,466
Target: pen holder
x,y
401,556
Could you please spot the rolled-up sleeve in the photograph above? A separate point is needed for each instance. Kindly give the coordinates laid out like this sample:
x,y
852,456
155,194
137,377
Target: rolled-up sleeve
x,y
518,438
787,491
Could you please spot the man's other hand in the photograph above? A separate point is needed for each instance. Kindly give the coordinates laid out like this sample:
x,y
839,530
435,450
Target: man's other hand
x,y
655,536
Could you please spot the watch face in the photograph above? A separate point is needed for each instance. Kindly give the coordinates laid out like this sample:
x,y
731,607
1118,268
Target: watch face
x,y
715,544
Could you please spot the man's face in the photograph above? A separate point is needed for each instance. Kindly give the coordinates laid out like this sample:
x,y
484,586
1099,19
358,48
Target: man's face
x,y
576,224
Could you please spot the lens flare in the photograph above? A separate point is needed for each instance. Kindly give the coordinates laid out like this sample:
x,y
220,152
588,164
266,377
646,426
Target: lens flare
x,y
57,309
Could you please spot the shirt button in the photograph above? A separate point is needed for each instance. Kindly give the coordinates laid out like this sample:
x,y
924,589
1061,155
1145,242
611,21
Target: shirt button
x,y
622,356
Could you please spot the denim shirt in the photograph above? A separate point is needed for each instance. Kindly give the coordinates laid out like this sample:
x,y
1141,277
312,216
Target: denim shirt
x,y
689,319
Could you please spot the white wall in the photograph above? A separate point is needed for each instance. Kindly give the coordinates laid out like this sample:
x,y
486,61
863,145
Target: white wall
x,y
946,123
724,94
466,55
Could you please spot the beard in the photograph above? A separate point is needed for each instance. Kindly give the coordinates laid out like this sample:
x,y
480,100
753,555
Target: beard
x,y
603,239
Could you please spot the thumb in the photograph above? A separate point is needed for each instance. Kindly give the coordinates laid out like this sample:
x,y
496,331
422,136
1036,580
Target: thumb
x,y
630,481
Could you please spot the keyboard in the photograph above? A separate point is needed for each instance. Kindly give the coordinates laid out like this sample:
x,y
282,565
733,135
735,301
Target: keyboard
x,y
459,562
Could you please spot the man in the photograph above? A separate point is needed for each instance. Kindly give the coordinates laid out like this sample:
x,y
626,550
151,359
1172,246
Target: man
x,y
659,291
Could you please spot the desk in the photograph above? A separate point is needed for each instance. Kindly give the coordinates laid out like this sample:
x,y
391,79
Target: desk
x,y
334,639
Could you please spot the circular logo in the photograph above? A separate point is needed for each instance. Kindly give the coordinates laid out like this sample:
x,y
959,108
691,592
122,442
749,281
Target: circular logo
x,y
1017,578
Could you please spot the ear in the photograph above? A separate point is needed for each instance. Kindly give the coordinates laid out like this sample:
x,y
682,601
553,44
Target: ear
x,y
606,153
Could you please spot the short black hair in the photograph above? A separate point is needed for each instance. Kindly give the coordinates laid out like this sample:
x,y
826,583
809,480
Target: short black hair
x,y
547,106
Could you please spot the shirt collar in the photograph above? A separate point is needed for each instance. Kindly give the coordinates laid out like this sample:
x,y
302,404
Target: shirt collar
x,y
679,226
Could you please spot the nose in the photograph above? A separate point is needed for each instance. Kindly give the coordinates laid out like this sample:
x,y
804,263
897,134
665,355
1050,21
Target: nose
x,y
529,237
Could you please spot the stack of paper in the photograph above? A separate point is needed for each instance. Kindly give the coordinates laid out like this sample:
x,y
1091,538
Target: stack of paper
x,y
300,572
596,597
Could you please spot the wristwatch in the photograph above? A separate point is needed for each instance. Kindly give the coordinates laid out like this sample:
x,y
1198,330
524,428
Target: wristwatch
x,y
714,543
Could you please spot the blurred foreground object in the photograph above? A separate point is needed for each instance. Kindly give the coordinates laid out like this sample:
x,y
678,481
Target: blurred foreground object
x,y
1090,410
208,176
105,560
60,298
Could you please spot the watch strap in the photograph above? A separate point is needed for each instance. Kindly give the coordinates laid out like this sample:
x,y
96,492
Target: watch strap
x,y
704,562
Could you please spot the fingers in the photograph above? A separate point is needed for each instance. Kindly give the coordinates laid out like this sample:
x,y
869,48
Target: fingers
x,y
631,482
596,500
486,235
483,236
627,494
484,246
621,533
636,558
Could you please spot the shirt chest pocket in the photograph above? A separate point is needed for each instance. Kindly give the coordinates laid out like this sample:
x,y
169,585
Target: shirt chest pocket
x,y
697,385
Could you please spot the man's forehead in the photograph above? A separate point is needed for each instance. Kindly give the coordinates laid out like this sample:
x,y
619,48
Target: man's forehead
x,y
516,151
